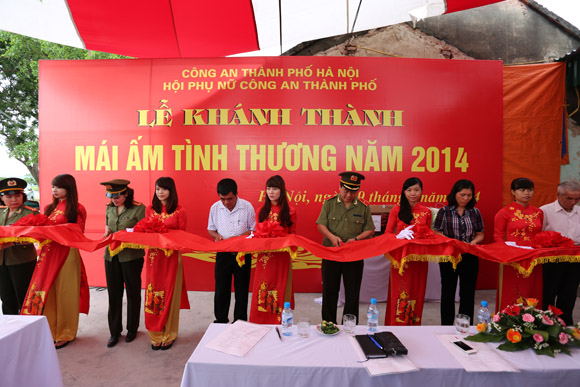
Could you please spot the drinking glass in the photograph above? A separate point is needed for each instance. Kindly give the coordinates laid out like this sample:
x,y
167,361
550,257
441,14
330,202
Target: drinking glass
x,y
304,327
349,323
462,323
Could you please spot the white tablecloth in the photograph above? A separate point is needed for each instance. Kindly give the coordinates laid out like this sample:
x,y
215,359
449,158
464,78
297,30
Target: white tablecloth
x,y
331,361
27,354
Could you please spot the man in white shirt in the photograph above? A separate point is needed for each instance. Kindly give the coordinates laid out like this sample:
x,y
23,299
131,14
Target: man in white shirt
x,y
561,280
229,217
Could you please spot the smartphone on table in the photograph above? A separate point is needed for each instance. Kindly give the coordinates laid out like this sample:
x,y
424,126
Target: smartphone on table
x,y
463,347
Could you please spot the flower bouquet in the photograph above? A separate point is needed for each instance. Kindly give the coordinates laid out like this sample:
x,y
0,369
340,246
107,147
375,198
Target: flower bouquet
x,y
269,229
551,239
151,225
527,327
33,220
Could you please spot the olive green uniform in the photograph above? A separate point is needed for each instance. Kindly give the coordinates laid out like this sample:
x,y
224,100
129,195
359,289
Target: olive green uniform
x,y
345,223
17,264
123,271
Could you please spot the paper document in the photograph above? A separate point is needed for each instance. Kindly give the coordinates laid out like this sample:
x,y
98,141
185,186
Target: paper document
x,y
388,365
486,359
239,338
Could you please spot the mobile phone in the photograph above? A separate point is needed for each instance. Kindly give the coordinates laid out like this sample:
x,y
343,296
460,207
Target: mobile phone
x,y
464,347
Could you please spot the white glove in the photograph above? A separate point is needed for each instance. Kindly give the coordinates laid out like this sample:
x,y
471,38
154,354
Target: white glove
x,y
251,235
407,233
513,244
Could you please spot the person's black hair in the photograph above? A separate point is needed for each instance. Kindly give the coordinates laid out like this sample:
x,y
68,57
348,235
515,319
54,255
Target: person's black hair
x,y
225,186
458,186
276,181
168,184
69,183
406,212
522,183
130,194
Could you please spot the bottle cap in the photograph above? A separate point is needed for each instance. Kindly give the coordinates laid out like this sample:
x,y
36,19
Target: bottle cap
x,y
484,303
286,305
373,301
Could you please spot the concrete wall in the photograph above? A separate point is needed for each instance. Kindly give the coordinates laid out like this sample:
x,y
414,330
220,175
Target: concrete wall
x,y
509,31
397,40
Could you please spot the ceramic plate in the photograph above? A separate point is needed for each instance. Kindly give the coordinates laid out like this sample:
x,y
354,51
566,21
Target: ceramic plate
x,y
319,330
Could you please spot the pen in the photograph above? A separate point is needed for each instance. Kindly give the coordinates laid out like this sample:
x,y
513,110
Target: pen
x,y
376,342
278,332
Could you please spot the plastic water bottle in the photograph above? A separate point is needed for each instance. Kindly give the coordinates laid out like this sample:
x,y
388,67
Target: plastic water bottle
x,y
484,315
287,320
373,316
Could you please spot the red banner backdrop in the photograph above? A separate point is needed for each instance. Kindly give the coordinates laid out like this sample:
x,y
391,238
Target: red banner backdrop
x,y
305,118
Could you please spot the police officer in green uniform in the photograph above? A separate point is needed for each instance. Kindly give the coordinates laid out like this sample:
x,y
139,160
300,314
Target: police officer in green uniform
x,y
343,219
17,261
123,271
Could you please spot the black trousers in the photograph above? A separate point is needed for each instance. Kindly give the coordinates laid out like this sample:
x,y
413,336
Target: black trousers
x,y
14,281
560,287
351,273
467,273
226,266
121,276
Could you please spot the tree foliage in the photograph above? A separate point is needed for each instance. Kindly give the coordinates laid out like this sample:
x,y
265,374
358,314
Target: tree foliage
x,y
19,56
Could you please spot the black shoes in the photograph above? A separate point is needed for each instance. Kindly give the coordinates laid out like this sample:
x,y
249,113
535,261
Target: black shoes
x,y
162,346
61,344
166,346
113,340
130,336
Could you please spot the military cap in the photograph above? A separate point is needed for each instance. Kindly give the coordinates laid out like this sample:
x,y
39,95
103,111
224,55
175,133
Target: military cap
x,y
115,187
12,186
351,180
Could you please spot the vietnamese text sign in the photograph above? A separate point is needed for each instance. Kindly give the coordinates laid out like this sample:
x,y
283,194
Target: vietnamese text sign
x,y
304,118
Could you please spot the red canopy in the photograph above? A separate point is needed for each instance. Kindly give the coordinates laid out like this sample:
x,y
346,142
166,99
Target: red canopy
x,y
194,28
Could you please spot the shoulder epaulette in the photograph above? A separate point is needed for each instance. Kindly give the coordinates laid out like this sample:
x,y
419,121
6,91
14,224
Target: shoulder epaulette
x,y
332,197
363,202
2,207
31,208
136,203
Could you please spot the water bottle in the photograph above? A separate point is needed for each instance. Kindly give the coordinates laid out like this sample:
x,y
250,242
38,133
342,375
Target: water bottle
x,y
484,315
373,316
287,320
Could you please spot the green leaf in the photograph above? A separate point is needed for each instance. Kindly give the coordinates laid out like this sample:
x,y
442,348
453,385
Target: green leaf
x,y
485,338
545,351
513,347
532,332
554,330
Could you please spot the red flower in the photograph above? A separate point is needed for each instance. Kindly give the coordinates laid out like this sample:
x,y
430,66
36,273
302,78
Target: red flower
x,y
151,224
422,232
512,310
551,239
268,229
33,220
556,311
